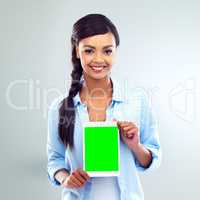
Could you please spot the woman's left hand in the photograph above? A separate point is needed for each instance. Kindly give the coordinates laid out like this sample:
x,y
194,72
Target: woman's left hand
x,y
129,133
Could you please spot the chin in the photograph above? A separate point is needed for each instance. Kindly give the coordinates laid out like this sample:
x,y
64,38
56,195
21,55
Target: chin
x,y
99,76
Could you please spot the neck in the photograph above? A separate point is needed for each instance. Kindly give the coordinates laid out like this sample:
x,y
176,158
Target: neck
x,y
96,87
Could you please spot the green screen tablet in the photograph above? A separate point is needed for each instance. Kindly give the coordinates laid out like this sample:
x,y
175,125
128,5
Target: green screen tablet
x,y
101,154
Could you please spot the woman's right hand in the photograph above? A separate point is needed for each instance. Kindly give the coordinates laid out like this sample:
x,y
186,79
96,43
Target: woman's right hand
x,y
76,179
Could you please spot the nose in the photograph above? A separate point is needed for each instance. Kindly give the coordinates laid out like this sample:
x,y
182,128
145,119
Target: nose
x,y
98,58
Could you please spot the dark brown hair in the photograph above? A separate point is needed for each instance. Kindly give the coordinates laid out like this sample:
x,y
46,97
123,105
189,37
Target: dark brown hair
x,y
89,25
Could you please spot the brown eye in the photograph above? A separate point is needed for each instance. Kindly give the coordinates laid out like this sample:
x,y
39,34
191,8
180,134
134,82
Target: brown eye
x,y
88,51
108,52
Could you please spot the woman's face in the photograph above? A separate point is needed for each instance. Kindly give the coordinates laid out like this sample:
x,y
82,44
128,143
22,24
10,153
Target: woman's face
x,y
97,55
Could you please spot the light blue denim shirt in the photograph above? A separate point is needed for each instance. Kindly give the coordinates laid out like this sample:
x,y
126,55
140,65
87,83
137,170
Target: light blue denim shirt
x,y
127,105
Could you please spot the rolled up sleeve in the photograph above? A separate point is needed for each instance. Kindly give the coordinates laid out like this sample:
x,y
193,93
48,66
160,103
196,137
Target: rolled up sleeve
x,y
149,135
55,148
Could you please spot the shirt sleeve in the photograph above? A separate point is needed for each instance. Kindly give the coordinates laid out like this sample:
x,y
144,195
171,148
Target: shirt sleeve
x,y
55,148
149,135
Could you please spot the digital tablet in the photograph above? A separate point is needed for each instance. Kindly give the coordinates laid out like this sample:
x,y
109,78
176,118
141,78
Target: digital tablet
x,y
101,149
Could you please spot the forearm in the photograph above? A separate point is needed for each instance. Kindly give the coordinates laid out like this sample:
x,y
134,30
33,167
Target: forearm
x,y
60,175
143,155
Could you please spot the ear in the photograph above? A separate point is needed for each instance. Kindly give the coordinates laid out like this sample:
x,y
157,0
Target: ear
x,y
77,52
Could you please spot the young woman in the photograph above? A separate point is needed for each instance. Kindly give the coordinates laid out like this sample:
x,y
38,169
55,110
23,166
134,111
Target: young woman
x,y
95,96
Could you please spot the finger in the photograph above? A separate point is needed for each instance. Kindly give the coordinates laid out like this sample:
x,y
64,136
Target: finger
x,y
120,122
127,134
76,181
120,126
128,123
127,128
84,174
71,184
124,124
124,130
123,134
133,130
79,177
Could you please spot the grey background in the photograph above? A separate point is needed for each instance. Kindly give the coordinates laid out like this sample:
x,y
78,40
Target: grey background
x,y
159,52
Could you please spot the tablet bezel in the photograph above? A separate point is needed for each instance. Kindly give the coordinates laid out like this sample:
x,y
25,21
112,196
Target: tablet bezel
x,y
101,173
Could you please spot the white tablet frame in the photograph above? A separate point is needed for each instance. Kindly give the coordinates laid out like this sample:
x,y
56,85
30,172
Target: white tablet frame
x,y
100,173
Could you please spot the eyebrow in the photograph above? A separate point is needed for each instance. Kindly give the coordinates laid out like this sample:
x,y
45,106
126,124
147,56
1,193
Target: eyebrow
x,y
90,46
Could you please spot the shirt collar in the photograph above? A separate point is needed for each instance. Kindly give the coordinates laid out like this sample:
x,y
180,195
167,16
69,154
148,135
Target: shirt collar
x,y
117,92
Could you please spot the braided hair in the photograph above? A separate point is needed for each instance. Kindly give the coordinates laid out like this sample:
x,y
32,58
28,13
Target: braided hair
x,y
89,25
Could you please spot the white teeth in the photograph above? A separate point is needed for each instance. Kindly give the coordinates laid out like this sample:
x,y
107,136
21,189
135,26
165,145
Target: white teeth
x,y
97,68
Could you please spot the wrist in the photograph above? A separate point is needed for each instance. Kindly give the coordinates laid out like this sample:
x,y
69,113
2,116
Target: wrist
x,y
137,148
61,175
63,179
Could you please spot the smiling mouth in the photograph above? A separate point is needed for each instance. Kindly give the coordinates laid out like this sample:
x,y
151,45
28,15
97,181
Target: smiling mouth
x,y
98,68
